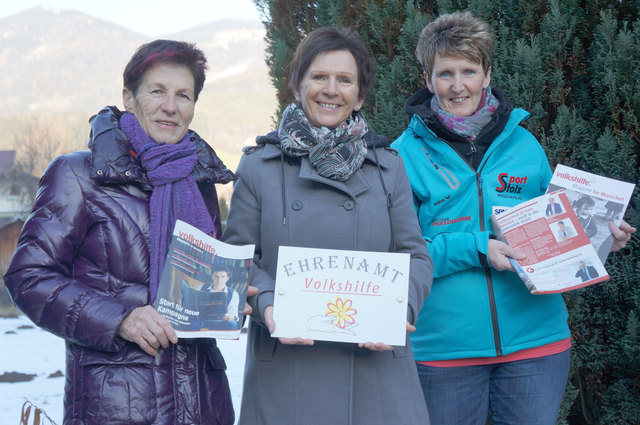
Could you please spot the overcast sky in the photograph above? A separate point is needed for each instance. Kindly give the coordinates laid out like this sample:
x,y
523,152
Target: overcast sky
x,y
148,17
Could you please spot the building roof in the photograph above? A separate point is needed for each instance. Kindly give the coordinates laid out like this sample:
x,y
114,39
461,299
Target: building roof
x,y
6,221
7,161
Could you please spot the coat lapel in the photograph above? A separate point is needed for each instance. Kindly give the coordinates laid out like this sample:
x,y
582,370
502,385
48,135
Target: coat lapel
x,y
355,185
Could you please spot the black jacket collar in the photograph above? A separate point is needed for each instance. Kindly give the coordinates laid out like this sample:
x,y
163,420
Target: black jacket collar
x,y
420,104
112,161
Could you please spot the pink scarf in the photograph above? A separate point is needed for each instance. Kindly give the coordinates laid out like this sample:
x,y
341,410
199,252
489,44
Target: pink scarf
x,y
468,127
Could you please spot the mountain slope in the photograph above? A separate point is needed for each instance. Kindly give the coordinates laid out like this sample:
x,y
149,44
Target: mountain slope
x,y
65,62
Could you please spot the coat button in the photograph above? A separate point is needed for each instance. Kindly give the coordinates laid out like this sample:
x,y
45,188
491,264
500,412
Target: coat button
x,y
297,205
127,173
99,172
349,205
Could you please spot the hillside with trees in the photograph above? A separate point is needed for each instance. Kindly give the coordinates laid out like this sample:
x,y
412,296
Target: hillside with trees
x,y
59,67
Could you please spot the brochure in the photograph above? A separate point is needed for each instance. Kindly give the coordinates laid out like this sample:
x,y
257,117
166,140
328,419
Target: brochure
x,y
559,256
342,296
596,200
203,286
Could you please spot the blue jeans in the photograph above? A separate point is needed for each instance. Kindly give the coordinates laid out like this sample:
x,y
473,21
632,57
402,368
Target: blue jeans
x,y
516,393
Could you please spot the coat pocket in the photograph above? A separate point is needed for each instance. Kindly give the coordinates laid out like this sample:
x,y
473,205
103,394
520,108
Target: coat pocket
x,y
263,344
215,356
399,352
118,394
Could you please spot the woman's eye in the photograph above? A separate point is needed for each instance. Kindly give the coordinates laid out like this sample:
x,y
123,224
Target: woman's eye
x,y
470,72
444,74
345,80
185,96
318,77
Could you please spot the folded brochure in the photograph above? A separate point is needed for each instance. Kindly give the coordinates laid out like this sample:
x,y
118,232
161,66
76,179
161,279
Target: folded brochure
x,y
596,200
203,287
558,254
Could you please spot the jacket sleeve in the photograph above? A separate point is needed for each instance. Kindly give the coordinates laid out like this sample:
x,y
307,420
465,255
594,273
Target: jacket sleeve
x,y
457,251
452,251
243,227
40,275
408,239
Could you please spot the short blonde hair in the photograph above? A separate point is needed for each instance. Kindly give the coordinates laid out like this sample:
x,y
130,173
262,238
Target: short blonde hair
x,y
458,34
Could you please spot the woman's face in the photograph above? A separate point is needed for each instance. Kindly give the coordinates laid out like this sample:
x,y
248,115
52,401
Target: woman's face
x,y
165,102
458,84
329,89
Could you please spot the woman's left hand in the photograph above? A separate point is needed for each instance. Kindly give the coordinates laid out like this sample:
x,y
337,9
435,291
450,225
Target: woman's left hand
x,y
498,254
379,346
251,290
621,235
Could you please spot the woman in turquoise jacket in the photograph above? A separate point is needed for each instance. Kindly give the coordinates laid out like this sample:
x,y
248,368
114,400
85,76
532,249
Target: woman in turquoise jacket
x,y
483,342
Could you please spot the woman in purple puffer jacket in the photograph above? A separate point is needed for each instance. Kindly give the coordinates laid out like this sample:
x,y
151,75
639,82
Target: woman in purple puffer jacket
x,y
88,260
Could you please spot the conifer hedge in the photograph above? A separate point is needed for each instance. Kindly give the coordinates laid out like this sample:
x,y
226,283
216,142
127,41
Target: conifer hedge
x,y
575,66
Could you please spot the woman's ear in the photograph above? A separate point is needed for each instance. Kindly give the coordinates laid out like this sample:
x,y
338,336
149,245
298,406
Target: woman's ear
x,y
359,104
426,80
127,100
487,79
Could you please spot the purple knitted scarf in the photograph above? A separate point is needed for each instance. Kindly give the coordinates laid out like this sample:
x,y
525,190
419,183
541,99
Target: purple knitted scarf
x,y
175,194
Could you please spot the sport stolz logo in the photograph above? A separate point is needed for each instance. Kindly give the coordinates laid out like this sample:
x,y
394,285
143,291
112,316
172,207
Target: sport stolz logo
x,y
510,184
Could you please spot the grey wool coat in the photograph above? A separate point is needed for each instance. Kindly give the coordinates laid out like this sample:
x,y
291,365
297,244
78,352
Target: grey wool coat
x,y
279,200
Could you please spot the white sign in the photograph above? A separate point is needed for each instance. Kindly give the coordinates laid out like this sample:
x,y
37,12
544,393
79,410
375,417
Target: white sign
x,y
343,296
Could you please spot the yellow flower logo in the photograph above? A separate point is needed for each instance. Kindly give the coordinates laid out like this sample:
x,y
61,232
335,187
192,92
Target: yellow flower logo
x,y
342,312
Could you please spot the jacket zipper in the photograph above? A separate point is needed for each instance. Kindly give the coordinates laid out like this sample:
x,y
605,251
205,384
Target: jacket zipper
x,y
487,272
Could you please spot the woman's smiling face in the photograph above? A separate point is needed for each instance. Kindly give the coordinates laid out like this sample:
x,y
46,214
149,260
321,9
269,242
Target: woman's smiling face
x,y
458,84
329,89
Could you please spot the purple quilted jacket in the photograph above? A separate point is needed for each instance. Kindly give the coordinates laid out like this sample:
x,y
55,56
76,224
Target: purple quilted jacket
x,y
82,264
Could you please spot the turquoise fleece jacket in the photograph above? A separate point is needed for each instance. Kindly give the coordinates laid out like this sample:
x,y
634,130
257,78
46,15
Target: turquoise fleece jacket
x,y
474,310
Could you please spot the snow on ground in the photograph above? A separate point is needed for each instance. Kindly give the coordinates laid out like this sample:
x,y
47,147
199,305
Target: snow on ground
x,y
27,349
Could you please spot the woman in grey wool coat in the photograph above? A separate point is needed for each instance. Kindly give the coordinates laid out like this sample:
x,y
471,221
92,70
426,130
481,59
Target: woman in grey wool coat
x,y
324,180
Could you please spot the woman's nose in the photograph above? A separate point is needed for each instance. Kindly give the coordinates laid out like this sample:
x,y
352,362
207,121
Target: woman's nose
x,y
331,87
457,84
169,104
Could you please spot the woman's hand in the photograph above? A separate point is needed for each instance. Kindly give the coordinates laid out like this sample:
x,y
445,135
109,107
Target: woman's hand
x,y
271,325
621,235
376,346
251,290
379,346
498,254
147,328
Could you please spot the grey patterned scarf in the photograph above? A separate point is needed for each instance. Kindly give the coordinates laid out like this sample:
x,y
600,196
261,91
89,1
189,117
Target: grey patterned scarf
x,y
335,154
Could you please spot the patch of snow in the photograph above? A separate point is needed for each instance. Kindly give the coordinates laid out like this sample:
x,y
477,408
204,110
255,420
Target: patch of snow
x,y
35,351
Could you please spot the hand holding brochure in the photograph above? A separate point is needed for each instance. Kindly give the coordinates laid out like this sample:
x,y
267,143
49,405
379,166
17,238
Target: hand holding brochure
x,y
203,286
597,200
559,256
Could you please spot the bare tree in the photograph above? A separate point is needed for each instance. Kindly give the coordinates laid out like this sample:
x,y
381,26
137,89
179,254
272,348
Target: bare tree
x,y
44,137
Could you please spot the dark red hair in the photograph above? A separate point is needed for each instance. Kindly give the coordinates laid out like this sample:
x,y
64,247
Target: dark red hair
x,y
171,51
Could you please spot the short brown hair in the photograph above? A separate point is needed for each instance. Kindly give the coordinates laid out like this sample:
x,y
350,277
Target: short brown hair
x,y
458,34
329,39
